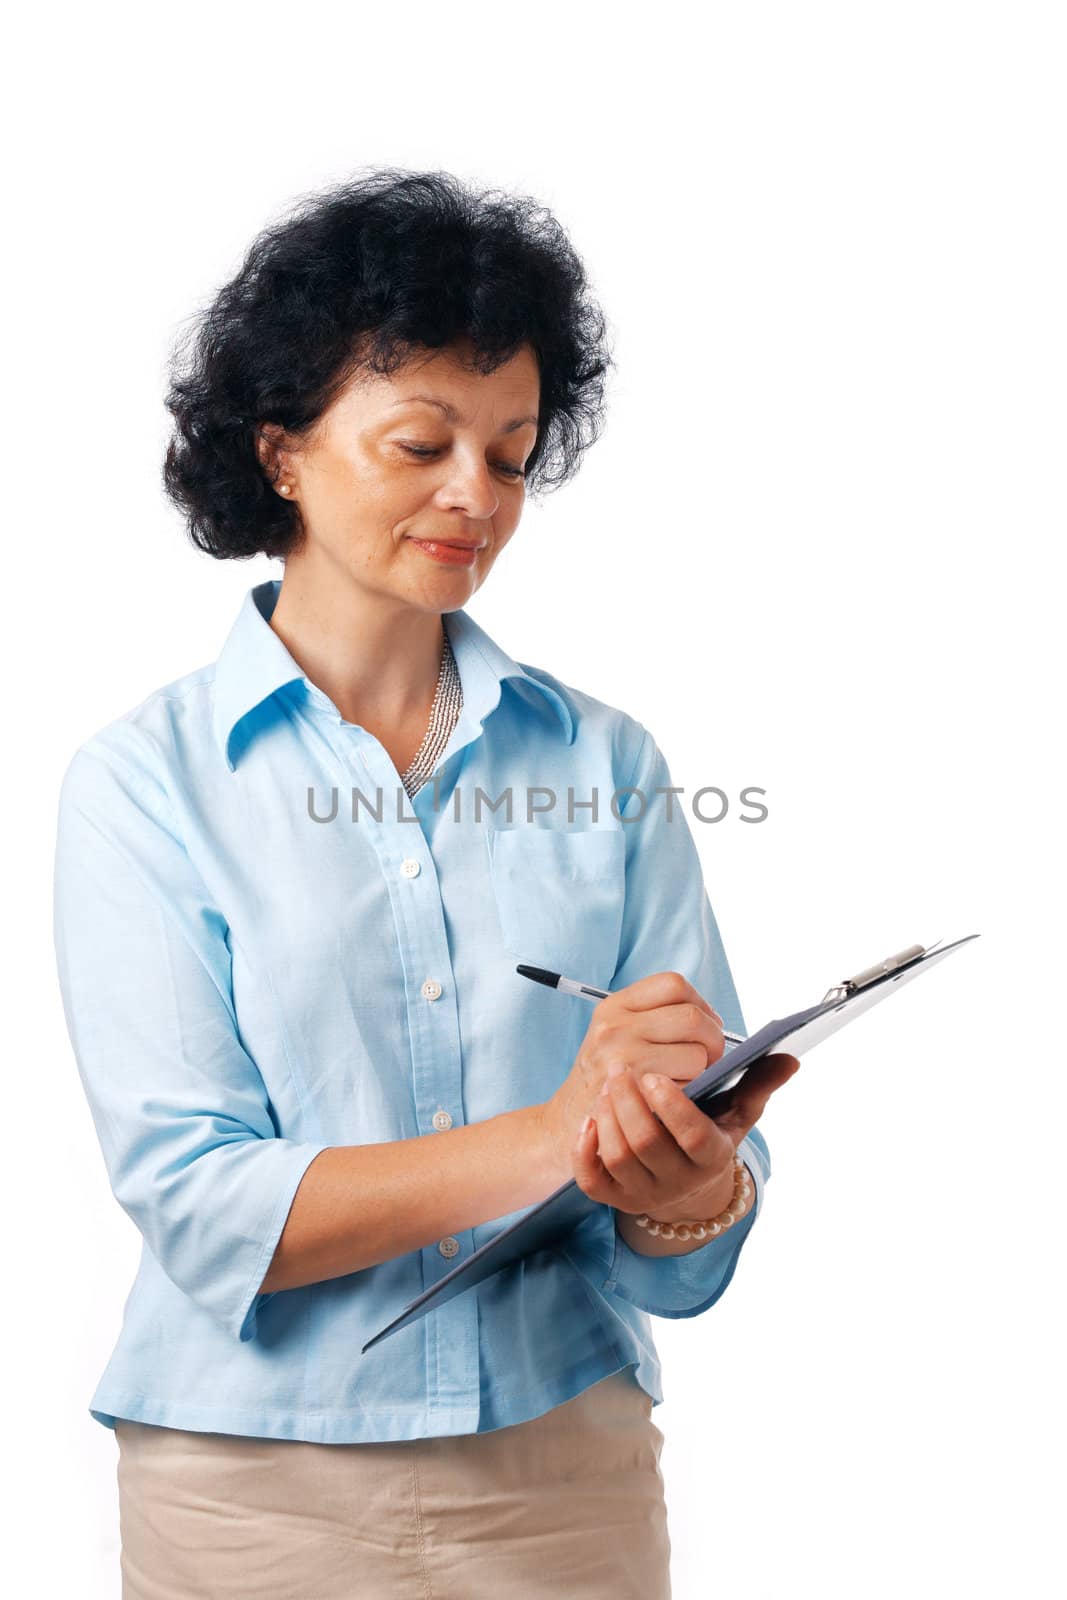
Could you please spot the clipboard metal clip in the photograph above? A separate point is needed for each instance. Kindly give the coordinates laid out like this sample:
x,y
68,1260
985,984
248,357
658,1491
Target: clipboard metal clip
x,y
849,986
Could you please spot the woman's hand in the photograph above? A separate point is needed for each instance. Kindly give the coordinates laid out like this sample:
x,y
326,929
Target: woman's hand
x,y
659,1024
679,1167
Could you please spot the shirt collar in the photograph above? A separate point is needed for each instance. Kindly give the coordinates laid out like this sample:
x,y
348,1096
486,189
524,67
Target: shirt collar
x,y
254,663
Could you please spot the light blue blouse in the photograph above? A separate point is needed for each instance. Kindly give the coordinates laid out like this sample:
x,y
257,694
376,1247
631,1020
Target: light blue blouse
x,y
250,976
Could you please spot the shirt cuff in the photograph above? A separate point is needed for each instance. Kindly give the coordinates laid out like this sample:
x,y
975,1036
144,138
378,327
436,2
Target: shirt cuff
x,y
242,1317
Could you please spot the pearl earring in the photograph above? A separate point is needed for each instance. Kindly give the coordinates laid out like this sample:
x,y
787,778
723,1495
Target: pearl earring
x,y
285,489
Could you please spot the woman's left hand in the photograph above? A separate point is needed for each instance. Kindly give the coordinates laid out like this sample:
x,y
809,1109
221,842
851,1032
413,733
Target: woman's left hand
x,y
678,1166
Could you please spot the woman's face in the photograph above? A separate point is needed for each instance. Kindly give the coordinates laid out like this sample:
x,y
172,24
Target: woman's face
x,y
392,483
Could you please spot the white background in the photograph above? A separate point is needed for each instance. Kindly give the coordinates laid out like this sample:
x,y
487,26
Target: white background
x,y
818,549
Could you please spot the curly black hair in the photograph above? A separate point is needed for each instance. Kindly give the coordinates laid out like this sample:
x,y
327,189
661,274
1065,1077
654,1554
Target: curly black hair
x,y
361,276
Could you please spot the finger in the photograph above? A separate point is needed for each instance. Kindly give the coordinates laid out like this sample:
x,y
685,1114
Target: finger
x,y
590,1173
620,1162
750,1096
661,989
703,1142
682,1062
681,1024
650,1142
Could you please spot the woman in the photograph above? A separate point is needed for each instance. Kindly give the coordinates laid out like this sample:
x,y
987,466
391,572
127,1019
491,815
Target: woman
x,y
291,891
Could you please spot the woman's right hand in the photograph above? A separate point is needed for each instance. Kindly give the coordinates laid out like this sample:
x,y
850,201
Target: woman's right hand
x,y
658,1024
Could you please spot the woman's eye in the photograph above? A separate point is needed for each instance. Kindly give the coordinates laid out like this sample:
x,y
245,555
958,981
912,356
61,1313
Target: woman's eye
x,y
427,452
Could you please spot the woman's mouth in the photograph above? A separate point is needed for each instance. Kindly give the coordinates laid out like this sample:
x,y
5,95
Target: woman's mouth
x,y
456,555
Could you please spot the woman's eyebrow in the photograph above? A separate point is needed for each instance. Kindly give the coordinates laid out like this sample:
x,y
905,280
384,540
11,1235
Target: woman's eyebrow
x,y
450,413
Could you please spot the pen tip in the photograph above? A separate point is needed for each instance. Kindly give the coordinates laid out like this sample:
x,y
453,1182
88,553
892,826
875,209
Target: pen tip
x,y
538,974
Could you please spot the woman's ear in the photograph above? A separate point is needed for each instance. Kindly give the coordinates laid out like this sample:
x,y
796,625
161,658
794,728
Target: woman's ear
x,y
268,449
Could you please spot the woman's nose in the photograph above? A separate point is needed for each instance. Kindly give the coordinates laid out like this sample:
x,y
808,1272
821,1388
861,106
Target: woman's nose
x,y
470,488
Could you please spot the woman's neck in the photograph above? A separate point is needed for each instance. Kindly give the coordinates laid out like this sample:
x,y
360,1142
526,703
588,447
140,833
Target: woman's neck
x,y
376,657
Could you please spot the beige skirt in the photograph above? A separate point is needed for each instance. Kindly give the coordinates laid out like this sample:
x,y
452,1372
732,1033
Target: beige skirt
x,y
568,1505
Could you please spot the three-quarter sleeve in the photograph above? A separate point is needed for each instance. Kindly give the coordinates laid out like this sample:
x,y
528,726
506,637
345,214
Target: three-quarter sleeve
x,y
669,926
181,1111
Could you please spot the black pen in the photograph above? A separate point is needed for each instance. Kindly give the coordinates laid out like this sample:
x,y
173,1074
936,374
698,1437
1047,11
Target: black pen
x,y
556,980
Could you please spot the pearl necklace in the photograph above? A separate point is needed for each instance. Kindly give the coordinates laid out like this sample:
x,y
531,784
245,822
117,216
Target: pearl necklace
x,y
444,714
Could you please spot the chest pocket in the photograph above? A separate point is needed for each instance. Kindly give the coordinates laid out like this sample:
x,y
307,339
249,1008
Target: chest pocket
x,y
559,898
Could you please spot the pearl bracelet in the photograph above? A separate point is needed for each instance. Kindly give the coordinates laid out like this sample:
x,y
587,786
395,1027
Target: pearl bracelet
x,y
713,1225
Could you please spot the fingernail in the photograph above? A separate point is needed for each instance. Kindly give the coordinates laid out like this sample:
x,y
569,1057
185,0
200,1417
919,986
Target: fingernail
x,y
586,1125
652,1080
605,1089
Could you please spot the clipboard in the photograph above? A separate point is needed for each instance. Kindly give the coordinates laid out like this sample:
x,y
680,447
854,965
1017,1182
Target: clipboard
x,y
552,1219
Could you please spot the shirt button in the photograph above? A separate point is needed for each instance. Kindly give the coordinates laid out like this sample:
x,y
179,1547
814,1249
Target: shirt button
x,y
449,1246
431,989
441,1120
410,868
